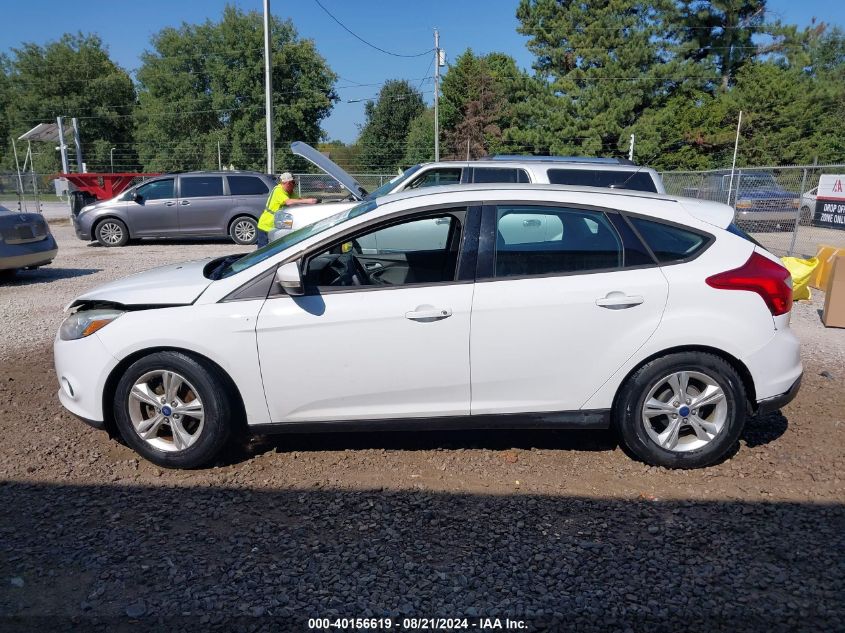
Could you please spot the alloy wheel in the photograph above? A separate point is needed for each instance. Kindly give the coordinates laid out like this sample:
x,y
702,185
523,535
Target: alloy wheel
x,y
111,233
684,411
166,411
244,231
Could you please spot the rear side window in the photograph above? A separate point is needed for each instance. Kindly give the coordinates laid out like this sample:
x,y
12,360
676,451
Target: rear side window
x,y
499,174
246,186
733,228
669,243
638,181
540,240
200,186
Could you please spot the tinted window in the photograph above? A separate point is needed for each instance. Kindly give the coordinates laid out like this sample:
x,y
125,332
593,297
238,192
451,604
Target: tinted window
x,y
156,190
733,228
499,174
533,240
669,243
638,181
200,186
437,177
246,185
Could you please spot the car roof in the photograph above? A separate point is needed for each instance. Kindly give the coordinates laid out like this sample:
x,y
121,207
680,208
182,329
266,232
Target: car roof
x,y
509,187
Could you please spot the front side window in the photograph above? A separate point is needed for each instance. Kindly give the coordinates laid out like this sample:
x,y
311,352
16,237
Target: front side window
x,y
623,179
537,240
156,190
200,186
436,177
246,186
499,174
422,250
669,243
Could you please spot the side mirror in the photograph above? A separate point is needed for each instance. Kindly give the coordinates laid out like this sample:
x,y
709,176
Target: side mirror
x,y
137,197
290,279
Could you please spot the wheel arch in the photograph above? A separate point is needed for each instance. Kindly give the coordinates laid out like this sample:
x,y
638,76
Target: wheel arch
x,y
738,365
237,215
117,373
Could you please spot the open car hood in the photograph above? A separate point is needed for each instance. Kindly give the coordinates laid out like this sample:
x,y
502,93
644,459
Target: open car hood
x,y
320,160
173,285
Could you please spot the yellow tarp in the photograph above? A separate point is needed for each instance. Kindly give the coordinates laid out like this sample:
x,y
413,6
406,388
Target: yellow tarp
x,y
801,271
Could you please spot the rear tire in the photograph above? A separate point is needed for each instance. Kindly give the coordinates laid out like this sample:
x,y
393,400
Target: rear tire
x,y
244,230
671,430
806,216
111,232
173,410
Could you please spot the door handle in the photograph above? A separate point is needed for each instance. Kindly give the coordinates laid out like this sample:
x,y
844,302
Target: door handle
x,y
619,301
427,313
372,265
169,203
186,202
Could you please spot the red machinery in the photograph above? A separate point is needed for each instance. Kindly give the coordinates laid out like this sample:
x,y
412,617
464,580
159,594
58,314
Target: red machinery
x,y
103,186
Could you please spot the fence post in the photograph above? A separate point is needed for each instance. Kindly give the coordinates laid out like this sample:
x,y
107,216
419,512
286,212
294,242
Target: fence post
x,y
795,226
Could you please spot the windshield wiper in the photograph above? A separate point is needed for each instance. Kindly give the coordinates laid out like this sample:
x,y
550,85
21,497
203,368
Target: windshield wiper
x,y
217,271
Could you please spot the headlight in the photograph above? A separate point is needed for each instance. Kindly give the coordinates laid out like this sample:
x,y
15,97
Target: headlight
x,y
85,323
85,209
744,204
283,221
796,202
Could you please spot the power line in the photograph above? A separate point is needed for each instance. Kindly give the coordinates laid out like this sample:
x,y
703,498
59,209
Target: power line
x,y
370,44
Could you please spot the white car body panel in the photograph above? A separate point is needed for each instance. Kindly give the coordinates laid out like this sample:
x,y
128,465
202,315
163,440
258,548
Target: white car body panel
x,y
356,356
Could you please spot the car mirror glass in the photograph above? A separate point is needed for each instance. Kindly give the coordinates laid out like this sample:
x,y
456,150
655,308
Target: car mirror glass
x,y
290,279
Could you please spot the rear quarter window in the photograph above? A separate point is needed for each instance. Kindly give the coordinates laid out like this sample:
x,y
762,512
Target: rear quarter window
x,y
247,185
669,243
499,174
627,179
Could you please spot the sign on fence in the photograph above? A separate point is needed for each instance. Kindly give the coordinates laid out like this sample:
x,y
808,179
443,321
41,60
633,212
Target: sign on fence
x,y
830,202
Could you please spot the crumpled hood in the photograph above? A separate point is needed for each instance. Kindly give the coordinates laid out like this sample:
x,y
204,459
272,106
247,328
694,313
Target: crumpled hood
x,y
176,284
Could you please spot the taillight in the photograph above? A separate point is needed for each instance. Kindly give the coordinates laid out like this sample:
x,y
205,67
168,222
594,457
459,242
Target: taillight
x,y
759,274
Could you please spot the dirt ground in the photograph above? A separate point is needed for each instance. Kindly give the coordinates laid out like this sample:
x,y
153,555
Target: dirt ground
x,y
559,529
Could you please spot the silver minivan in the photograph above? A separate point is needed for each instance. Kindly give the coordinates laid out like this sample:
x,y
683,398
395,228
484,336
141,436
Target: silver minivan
x,y
191,204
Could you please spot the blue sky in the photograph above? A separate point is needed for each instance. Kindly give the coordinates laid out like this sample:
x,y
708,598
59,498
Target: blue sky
x,y
404,27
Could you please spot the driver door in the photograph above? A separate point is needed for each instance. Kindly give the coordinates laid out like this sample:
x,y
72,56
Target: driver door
x,y
153,212
379,335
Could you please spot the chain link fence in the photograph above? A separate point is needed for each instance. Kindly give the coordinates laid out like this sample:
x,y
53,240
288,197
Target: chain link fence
x,y
776,205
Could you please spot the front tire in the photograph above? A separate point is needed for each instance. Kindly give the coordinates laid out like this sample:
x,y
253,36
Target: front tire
x,y
173,410
683,410
112,232
244,230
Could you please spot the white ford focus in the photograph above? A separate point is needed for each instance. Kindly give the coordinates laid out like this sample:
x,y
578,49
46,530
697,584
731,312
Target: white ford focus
x,y
476,306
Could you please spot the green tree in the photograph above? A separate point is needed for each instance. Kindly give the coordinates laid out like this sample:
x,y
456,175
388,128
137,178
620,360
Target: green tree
x,y
72,77
420,144
203,84
384,135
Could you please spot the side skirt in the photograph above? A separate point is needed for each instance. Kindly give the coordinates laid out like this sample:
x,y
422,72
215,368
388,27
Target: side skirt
x,y
593,419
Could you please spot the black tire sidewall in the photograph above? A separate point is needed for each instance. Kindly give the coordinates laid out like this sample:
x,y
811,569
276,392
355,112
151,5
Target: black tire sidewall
x,y
212,392
631,400
241,218
123,241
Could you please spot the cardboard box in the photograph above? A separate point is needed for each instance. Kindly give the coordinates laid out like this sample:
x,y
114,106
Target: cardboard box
x,y
826,256
833,314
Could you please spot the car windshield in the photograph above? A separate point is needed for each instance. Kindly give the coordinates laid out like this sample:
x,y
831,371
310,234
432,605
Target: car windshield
x,y
758,181
388,186
232,267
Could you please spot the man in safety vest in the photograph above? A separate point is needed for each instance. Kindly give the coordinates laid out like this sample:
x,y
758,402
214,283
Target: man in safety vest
x,y
279,197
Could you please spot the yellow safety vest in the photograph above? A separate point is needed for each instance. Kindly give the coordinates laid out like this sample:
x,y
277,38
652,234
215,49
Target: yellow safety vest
x,y
277,199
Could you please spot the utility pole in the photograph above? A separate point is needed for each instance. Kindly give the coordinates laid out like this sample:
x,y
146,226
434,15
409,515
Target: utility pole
x,y
631,149
733,165
219,160
436,95
268,87
111,158
62,146
80,166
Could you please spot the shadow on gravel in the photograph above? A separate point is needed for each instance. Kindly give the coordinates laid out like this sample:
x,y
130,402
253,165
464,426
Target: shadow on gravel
x,y
152,241
44,275
760,430
88,557
526,439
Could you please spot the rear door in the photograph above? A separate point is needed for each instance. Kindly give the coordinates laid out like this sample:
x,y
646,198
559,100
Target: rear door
x,y
203,205
248,193
558,307
153,212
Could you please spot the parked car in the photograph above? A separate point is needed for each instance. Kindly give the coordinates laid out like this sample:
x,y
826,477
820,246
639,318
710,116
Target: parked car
x,y
808,206
645,313
560,170
760,201
193,204
25,241
320,183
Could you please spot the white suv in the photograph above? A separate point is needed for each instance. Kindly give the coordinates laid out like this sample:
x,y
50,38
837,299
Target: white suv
x,y
614,173
531,306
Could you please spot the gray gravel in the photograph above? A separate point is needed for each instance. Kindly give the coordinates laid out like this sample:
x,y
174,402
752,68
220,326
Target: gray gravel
x,y
559,529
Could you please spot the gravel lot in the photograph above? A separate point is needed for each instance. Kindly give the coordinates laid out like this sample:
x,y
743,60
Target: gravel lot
x,y
559,529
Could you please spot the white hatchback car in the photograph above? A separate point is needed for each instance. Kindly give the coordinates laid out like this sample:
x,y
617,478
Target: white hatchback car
x,y
531,307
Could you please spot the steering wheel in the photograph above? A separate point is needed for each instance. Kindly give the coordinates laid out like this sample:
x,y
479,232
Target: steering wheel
x,y
348,271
